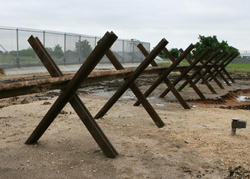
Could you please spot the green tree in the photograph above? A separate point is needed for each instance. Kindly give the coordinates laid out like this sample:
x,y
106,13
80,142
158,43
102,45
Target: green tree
x,y
57,51
213,43
162,55
49,50
13,53
29,52
83,48
175,52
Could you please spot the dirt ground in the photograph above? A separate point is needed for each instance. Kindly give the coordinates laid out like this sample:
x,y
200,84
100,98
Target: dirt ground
x,y
195,143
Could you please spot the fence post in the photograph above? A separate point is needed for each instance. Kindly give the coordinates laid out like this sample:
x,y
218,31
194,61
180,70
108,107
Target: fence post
x,y
95,41
133,45
123,52
44,38
64,58
79,58
148,48
17,46
142,57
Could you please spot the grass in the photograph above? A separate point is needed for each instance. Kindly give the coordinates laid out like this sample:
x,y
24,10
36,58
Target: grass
x,y
232,67
183,63
8,59
239,67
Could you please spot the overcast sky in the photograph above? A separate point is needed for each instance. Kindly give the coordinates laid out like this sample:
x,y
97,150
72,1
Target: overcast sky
x,y
179,21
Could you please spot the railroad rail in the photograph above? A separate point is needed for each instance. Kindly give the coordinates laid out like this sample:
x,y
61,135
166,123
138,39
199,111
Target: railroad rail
x,y
23,86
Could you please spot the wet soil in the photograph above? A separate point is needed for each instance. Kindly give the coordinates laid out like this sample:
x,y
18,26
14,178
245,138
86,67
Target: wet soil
x,y
238,172
237,99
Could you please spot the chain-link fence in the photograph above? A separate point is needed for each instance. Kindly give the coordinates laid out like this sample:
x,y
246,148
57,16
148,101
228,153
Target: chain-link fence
x,y
65,48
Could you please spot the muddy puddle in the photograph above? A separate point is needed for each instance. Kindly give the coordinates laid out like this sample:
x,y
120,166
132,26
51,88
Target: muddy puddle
x,y
243,98
238,99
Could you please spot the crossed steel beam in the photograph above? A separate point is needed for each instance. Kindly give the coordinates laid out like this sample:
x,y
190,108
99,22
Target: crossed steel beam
x,y
166,80
211,71
192,65
222,67
205,66
129,83
197,72
226,72
204,80
137,92
184,73
220,74
217,71
68,94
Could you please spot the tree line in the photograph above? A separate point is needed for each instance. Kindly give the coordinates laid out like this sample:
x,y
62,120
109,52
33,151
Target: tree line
x,y
204,42
82,50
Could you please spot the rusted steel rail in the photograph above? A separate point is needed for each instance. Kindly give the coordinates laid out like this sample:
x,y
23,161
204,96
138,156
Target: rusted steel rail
x,y
46,83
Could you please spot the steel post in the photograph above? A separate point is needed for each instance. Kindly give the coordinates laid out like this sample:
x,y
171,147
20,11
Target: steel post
x,y
65,43
17,49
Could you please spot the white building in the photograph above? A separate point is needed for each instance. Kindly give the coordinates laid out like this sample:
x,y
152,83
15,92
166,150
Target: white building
x,y
245,53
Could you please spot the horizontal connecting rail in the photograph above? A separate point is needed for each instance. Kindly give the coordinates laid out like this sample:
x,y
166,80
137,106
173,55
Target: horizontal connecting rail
x,y
24,87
